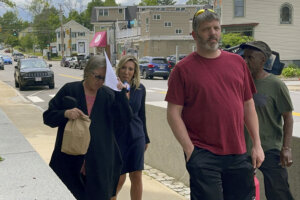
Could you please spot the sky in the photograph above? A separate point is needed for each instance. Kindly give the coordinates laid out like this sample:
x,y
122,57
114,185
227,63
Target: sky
x,y
80,5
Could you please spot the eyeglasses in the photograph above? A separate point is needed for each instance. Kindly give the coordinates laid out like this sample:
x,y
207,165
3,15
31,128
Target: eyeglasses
x,y
99,77
199,12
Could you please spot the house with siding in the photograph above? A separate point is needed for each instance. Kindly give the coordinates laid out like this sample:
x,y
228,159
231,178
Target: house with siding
x,y
277,22
76,39
147,30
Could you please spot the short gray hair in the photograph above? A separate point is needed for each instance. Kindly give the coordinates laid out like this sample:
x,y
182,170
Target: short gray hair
x,y
206,16
95,62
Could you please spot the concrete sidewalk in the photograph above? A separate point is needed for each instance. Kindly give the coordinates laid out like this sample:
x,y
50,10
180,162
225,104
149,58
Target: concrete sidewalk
x,y
27,119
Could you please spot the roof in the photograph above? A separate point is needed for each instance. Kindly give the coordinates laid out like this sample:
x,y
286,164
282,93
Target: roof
x,y
239,25
72,22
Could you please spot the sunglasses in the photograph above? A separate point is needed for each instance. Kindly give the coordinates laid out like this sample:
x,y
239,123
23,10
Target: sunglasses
x,y
199,12
99,77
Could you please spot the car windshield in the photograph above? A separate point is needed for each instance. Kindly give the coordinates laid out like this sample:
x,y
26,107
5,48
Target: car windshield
x,y
68,59
159,61
33,64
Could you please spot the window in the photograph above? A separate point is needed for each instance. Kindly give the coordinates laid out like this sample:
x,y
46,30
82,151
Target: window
x,y
73,34
239,6
81,34
178,31
120,11
143,9
286,14
147,21
156,17
103,12
168,24
74,47
147,28
180,9
58,34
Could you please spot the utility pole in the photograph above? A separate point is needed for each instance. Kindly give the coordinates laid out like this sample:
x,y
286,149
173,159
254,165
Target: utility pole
x,y
61,33
70,42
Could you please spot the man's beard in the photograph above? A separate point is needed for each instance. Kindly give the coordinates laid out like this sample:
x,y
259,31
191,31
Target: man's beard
x,y
205,44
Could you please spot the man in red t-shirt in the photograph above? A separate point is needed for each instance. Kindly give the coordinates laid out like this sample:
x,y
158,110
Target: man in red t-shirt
x,y
209,101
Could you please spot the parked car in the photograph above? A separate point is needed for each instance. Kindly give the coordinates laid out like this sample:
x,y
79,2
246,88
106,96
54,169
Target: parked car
x,y
154,66
33,72
83,62
172,59
1,63
7,50
73,62
18,56
7,60
64,62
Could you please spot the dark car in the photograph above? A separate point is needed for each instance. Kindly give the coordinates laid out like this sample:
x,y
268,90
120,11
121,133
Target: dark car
x,y
154,66
273,64
33,72
83,62
172,59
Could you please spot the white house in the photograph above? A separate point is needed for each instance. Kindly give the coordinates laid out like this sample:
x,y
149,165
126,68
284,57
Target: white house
x,y
76,39
277,22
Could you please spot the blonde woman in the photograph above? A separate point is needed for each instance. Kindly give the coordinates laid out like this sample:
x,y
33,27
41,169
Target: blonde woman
x,y
132,138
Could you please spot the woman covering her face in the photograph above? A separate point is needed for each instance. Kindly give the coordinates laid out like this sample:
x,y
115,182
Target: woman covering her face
x,y
95,175
132,137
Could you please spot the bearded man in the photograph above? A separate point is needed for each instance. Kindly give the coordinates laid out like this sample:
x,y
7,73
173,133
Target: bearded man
x,y
209,101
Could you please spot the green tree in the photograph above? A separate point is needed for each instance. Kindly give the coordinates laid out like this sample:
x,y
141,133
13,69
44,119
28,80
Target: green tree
x,y
12,40
37,6
88,13
234,39
148,3
197,2
110,3
9,23
9,3
166,2
27,41
45,24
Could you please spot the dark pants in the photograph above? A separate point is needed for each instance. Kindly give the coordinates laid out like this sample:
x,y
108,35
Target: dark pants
x,y
217,177
275,177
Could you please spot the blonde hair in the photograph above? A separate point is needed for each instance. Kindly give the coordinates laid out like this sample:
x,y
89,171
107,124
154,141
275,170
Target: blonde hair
x,y
136,76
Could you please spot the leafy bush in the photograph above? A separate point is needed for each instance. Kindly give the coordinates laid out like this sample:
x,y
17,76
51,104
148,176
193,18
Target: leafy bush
x,y
292,70
234,39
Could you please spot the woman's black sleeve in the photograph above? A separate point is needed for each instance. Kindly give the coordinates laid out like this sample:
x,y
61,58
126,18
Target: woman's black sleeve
x,y
54,115
122,108
142,115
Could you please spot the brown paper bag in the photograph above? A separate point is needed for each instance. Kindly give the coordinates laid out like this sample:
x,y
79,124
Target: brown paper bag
x,y
77,136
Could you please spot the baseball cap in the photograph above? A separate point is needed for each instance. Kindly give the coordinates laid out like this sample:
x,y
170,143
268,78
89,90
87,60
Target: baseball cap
x,y
259,45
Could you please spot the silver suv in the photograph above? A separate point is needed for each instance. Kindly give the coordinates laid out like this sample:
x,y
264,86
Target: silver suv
x,y
18,56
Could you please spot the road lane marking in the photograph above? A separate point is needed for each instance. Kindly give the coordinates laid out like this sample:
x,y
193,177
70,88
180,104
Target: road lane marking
x,y
52,95
150,91
296,114
159,89
35,99
69,76
163,92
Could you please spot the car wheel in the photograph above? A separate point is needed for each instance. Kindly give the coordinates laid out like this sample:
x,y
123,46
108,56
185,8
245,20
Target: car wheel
x,y
145,74
166,77
51,86
151,77
16,83
22,87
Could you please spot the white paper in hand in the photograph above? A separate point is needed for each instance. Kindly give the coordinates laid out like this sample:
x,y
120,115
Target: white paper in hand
x,y
111,80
